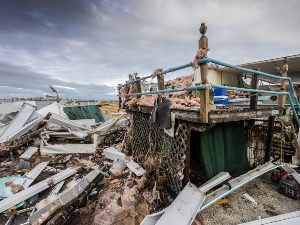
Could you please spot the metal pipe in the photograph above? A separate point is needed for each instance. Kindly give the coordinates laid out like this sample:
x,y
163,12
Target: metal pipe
x,y
248,90
206,60
161,73
225,87
207,86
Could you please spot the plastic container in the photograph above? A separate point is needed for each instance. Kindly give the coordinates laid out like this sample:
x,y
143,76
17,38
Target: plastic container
x,y
220,96
220,92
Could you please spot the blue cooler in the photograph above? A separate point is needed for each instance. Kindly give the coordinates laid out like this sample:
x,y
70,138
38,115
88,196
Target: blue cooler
x,y
220,96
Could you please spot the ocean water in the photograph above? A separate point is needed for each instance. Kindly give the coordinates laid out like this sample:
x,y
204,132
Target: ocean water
x,y
42,104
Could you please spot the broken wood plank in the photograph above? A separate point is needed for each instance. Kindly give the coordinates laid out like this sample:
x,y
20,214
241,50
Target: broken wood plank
x,y
33,174
29,152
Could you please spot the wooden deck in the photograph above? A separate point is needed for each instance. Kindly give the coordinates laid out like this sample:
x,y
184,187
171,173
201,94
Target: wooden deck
x,y
219,115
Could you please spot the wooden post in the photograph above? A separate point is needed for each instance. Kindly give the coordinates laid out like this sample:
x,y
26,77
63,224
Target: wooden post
x,y
120,97
296,146
138,87
186,170
160,80
281,100
298,92
204,94
160,83
254,85
270,137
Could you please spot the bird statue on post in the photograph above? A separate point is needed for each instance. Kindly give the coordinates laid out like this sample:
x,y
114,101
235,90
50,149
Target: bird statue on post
x,y
203,28
203,41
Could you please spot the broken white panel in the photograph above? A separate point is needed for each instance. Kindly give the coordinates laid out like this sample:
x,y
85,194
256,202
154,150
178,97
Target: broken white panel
x,y
68,149
17,123
134,167
72,193
153,218
218,179
2,129
7,118
288,169
7,108
113,154
93,174
79,133
29,152
85,122
28,192
292,218
38,214
59,120
34,173
65,135
53,108
185,207
237,183
57,187
33,116
30,126
122,122
105,127
171,131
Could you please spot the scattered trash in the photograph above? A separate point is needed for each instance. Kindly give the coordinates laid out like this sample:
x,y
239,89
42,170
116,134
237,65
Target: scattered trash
x,y
249,198
134,167
23,165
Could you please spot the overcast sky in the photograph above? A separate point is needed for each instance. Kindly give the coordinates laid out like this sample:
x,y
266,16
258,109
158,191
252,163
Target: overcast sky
x,y
85,48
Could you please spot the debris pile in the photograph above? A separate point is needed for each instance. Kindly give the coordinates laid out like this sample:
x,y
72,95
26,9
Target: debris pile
x,y
50,162
179,99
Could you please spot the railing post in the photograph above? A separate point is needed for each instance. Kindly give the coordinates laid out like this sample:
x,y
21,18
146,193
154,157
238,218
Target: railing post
x,y
204,94
281,100
160,82
120,96
138,87
254,95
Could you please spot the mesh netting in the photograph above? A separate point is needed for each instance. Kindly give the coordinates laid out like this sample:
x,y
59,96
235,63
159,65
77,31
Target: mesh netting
x,y
161,155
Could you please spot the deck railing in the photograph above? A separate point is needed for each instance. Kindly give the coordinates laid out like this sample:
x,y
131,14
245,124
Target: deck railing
x,y
290,94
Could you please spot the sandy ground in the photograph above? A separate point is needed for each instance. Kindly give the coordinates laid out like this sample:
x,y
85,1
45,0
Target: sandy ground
x,y
240,210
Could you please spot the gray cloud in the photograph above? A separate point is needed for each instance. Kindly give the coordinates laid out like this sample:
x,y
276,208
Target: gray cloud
x,y
21,80
101,42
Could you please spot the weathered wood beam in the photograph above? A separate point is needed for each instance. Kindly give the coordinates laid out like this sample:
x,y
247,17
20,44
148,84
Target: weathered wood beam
x,y
186,171
281,100
138,87
295,137
270,137
254,85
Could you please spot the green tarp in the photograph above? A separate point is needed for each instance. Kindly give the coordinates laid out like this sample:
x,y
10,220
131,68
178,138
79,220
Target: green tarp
x,y
223,148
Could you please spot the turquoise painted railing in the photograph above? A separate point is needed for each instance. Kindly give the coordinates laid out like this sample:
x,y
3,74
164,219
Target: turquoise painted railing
x,y
290,94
